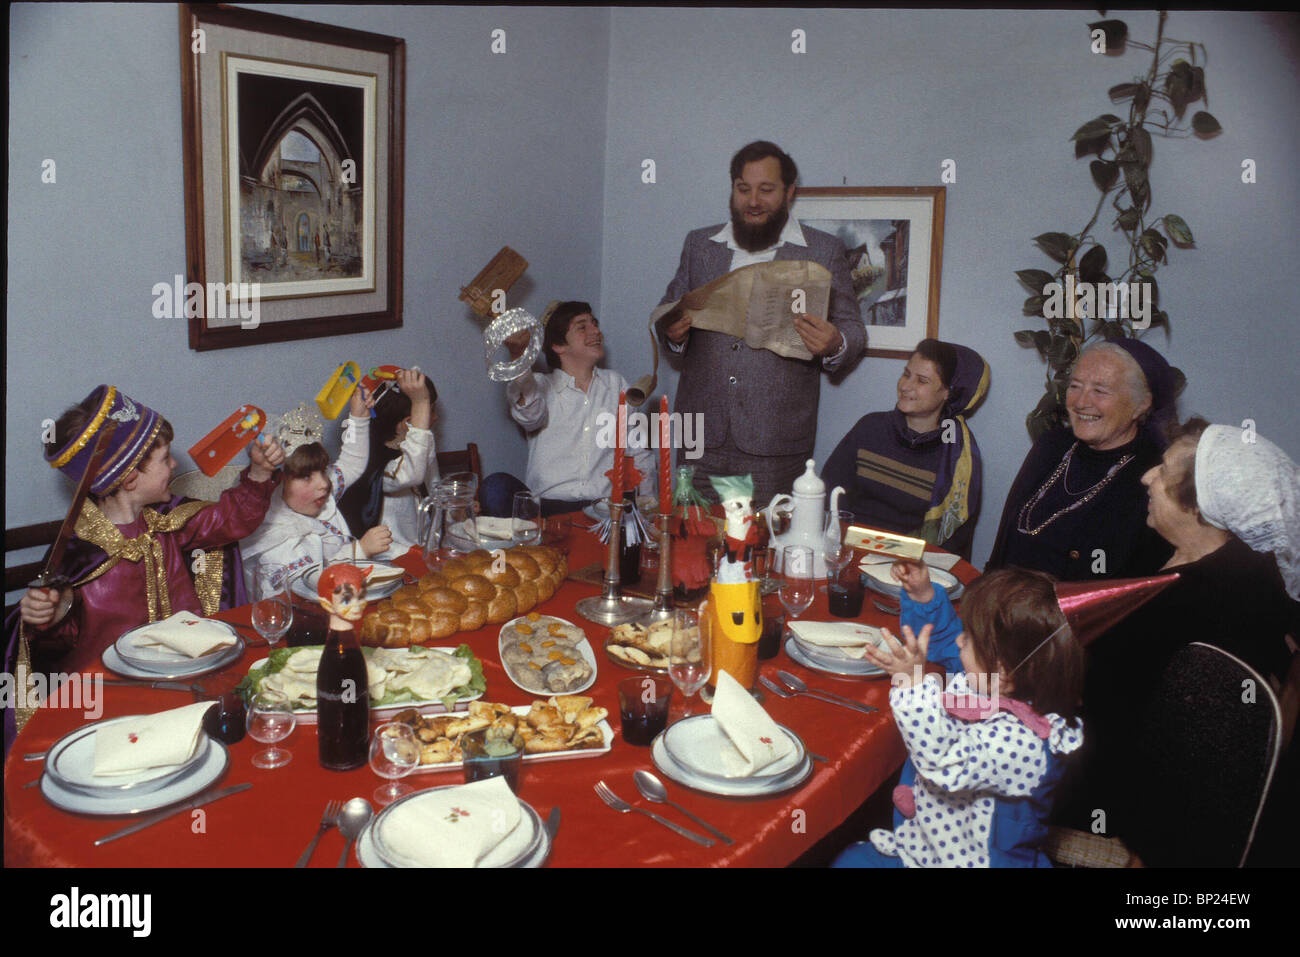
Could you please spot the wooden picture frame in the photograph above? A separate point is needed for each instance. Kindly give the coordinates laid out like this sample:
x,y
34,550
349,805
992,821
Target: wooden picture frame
x,y
894,235
294,145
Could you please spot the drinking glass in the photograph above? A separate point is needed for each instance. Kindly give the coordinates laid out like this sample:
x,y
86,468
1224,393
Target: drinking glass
x,y
483,757
526,519
270,719
834,554
643,704
227,717
394,753
272,603
690,659
796,592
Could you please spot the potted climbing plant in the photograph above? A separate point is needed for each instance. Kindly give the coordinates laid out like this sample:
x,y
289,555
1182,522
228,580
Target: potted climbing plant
x,y
1079,300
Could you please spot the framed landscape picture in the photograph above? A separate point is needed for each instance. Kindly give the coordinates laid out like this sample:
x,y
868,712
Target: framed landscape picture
x,y
894,237
294,147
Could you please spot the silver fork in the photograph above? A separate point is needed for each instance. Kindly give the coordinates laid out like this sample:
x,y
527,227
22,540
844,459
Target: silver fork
x,y
328,819
783,692
618,804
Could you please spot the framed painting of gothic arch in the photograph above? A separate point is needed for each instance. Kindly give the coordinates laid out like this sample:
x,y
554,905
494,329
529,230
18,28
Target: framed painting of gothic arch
x,y
293,135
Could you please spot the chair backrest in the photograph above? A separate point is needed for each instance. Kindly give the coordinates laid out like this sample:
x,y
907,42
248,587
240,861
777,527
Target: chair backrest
x,y
463,460
194,484
1204,760
40,535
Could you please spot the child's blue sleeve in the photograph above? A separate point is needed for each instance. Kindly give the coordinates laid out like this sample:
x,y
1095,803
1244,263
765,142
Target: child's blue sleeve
x,y
938,611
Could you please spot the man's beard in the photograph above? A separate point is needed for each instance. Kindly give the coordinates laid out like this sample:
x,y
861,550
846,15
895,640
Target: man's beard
x,y
761,236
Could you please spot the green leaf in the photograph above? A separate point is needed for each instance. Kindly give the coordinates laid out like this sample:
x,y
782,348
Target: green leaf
x,y
1025,337
1057,245
1042,340
1034,305
1178,231
1116,32
1092,147
1061,352
1205,125
1091,130
1104,173
1109,118
1035,279
1128,220
1092,267
1141,141
1196,86
1124,90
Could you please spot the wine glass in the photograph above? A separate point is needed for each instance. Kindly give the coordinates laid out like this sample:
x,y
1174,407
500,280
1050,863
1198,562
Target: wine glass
x,y
796,591
394,753
272,603
526,519
270,719
834,554
690,659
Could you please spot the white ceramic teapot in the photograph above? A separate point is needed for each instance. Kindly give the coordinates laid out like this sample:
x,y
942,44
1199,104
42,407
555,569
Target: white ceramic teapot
x,y
808,517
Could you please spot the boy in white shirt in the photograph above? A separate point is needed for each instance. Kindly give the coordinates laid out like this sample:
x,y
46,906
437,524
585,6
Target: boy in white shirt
x,y
562,412
303,529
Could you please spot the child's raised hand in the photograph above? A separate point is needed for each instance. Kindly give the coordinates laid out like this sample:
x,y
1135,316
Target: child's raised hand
x,y
265,459
412,384
376,540
361,403
39,606
904,658
915,579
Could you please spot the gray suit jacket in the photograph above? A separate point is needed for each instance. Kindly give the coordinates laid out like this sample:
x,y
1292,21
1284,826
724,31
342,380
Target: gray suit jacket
x,y
767,403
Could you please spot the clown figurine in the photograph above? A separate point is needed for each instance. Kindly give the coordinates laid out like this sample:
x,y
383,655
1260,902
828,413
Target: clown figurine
x,y
734,599
342,591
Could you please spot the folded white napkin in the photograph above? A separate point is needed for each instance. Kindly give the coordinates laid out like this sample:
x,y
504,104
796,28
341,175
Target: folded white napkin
x,y
757,740
382,574
493,527
187,633
150,741
847,637
456,827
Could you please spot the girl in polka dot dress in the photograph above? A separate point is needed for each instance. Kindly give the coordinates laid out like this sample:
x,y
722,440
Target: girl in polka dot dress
x,y
986,754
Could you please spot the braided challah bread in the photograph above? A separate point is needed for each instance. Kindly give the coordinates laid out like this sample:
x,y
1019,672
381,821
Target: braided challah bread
x,y
464,594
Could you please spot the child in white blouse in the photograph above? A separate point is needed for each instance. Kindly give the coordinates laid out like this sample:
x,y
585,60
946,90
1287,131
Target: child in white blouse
x,y
303,529
982,767
403,462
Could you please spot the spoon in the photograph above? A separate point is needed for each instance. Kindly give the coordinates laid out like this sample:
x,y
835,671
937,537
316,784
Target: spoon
x,y
354,816
653,790
797,684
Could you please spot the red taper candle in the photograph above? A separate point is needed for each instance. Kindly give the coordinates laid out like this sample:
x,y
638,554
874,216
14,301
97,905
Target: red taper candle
x,y
665,458
620,447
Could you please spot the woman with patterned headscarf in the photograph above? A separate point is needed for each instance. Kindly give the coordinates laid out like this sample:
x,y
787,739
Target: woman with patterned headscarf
x,y
916,469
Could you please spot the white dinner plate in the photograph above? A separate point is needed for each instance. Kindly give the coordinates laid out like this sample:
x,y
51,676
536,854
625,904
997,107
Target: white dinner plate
x,y
522,710
210,768
185,668
833,657
879,580
840,666
303,589
583,647
726,787
162,658
528,841
71,764
308,716
697,743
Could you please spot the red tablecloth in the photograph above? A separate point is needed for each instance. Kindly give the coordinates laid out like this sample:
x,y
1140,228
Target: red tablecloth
x,y
271,823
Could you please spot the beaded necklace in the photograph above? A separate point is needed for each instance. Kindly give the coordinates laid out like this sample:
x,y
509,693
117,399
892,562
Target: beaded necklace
x,y
1022,523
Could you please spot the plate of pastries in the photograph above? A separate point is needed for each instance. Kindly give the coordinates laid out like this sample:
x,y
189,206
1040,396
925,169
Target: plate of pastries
x,y
641,648
542,653
564,726
465,594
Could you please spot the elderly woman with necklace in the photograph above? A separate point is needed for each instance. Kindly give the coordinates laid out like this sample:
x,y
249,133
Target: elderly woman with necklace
x,y
916,469
1077,510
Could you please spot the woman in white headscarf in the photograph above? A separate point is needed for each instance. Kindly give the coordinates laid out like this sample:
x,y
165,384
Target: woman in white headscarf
x,y
1228,500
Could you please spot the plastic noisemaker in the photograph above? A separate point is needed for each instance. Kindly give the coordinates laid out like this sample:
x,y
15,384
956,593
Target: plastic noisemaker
x,y
338,390
215,450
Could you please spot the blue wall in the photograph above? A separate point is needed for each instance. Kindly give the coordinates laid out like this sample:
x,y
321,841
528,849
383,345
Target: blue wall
x,y
542,149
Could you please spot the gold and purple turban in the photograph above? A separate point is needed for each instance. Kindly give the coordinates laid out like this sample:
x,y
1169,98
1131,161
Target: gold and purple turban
x,y
137,427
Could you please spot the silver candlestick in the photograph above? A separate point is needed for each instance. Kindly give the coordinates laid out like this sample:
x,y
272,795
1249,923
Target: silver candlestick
x,y
613,607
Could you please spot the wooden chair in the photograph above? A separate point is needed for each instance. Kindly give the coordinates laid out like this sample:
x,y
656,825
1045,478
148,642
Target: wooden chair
x,y
1204,761
40,535
462,460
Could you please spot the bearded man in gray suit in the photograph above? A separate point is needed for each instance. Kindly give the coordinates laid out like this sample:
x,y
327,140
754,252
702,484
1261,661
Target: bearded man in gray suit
x,y
759,409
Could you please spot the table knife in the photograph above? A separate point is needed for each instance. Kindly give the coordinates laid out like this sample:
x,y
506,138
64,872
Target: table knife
x,y
205,798
553,823
164,685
